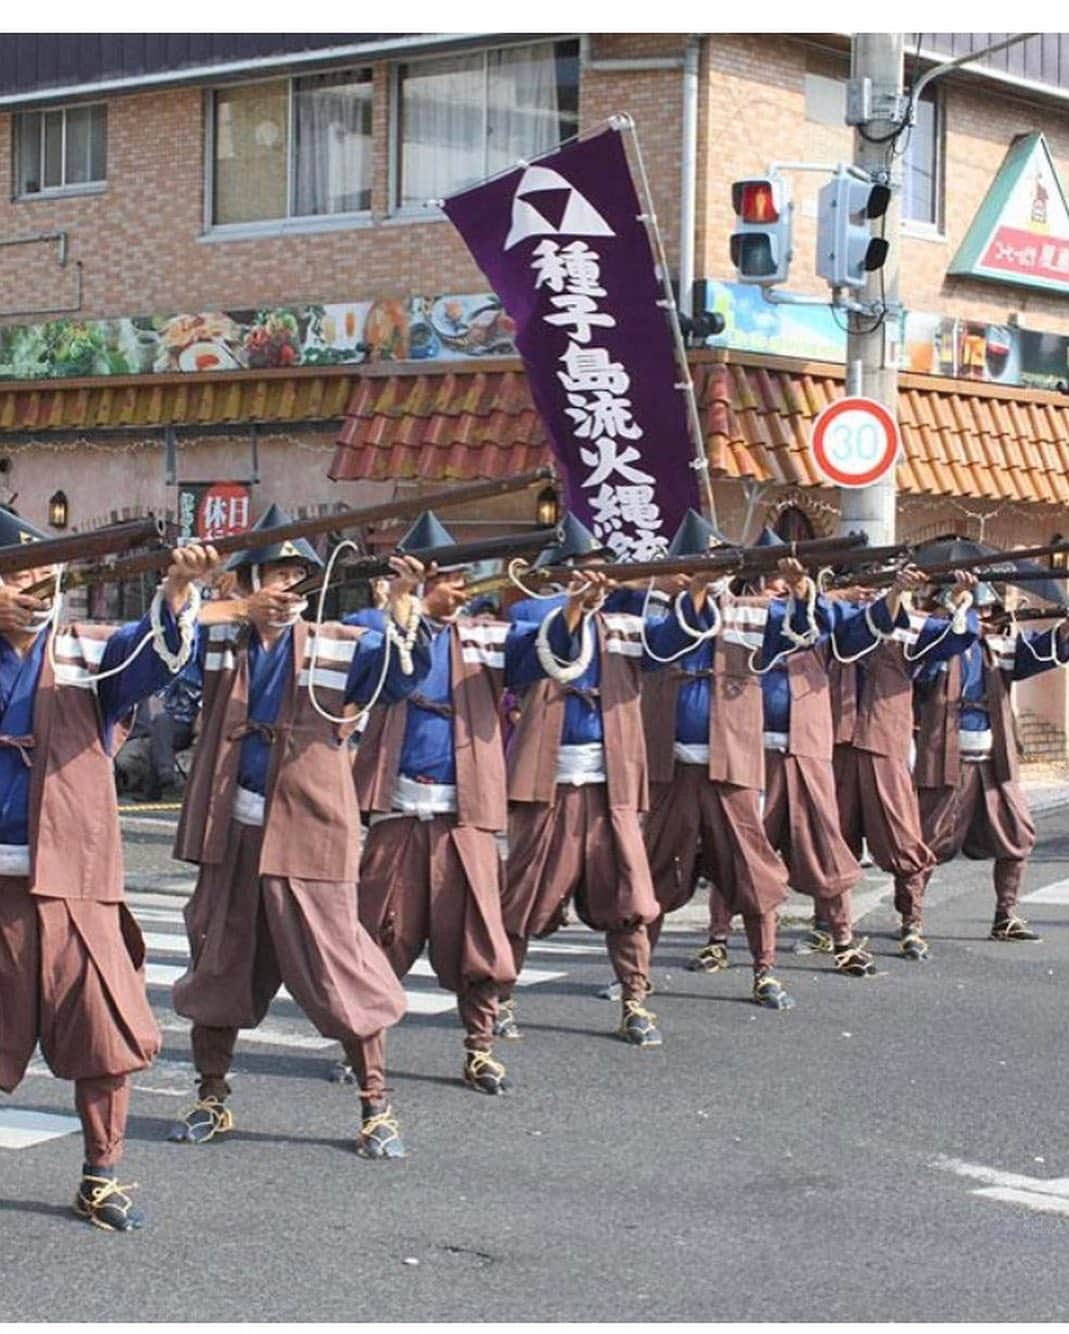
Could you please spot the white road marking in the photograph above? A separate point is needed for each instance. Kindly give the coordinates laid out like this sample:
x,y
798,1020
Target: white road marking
x,y
160,942
1048,1196
21,1129
1058,892
264,1036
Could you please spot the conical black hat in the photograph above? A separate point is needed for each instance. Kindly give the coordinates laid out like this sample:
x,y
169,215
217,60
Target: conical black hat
x,y
695,535
15,531
294,548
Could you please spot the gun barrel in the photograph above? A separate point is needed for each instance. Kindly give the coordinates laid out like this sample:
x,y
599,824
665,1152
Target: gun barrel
x,y
114,538
326,523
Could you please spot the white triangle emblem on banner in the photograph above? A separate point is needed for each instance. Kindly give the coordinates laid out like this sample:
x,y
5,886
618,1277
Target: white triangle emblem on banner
x,y
580,217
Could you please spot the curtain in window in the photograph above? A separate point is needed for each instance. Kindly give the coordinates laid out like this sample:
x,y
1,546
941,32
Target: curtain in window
x,y
523,110
442,127
251,147
333,130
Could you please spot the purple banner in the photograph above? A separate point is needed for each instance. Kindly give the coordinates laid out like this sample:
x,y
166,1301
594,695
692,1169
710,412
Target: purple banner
x,y
562,246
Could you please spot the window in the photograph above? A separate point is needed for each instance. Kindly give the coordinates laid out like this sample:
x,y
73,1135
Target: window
x,y
292,148
922,165
62,149
461,118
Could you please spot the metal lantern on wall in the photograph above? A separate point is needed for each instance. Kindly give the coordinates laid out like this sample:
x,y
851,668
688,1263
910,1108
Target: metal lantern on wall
x,y
58,510
548,507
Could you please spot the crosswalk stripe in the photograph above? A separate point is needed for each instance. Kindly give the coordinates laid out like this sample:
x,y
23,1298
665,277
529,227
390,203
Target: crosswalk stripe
x,y
1058,892
21,1129
264,1036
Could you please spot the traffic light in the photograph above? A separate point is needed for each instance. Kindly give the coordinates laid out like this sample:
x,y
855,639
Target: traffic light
x,y
846,249
761,241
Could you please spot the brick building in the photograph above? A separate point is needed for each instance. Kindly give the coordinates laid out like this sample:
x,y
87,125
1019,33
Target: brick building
x,y
218,263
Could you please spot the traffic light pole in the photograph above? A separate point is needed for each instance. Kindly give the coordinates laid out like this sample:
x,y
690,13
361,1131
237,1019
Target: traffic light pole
x,y
870,355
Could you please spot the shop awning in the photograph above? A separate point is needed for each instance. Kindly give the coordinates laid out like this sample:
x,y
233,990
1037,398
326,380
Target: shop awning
x,y
471,422
174,400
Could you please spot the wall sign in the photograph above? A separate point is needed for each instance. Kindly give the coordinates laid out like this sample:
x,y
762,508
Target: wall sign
x,y
207,510
1021,233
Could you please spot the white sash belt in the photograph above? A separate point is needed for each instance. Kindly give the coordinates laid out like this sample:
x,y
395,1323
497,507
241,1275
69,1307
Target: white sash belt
x,y
688,753
425,800
581,764
975,746
14,859
248,807
777,741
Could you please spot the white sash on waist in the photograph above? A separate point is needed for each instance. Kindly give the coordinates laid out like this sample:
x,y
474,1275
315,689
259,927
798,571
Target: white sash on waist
x,y
248,807
581,764
688,753
975,746
777,741
14,859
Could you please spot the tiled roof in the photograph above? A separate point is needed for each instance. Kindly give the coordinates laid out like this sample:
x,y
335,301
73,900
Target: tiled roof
x,y
180,400
959,439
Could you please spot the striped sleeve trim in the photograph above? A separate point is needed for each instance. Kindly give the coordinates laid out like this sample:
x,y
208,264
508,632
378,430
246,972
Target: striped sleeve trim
x,y
325,679
483,644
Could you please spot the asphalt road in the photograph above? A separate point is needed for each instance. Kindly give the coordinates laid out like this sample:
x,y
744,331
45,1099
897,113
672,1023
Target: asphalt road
x,y
820,1164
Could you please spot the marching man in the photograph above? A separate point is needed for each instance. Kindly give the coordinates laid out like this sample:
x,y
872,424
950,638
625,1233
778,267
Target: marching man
x,y
967,770
873,710
270,816
578,783
431,771
71,954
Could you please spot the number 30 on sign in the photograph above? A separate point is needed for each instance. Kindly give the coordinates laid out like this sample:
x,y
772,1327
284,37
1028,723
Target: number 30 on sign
x,y
854,442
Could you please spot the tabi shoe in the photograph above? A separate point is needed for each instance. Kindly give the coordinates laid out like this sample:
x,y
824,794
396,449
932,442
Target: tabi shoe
x,y
206,1119
770,993
815,941
854,960
638,1026
104,1203
505,1025
484,1073
912,945
711,958
1012,928
380,1135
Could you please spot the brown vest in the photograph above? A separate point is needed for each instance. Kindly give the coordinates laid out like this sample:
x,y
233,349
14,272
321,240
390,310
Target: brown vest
x,y
736,755
311,820
477,671
532,757
75,842
937,713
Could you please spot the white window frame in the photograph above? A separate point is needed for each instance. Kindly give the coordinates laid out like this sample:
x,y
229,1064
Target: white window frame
x,y
935,229
291,223
427,212
54,191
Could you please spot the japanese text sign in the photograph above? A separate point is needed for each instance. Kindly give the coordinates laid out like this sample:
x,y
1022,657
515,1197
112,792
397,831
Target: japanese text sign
x,y
564,248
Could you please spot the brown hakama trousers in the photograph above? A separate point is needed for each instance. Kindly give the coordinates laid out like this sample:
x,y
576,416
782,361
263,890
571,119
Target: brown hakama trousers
x,y
802,823
580,848
695,824
878,803
250,934
985,819
436,883
72,979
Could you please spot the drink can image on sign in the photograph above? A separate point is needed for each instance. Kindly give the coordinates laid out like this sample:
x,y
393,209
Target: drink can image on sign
x,y
854,442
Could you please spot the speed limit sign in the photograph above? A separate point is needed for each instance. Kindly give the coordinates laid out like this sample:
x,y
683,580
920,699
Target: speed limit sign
x,y
855,442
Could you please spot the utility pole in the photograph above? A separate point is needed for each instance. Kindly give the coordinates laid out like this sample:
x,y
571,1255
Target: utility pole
x,y
875,93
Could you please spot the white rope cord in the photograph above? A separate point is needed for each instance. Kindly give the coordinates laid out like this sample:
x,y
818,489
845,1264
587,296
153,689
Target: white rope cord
x,y
797,641
557,669
174,662
388,639
878,636
956,624
511,571
699,636
1052,658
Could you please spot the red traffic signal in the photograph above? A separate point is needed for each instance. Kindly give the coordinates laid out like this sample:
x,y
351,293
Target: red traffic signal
x,y
761,244
755,201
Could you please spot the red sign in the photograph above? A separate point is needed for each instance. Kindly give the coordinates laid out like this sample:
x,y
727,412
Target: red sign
x,y
1024,254
854,442
207,510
